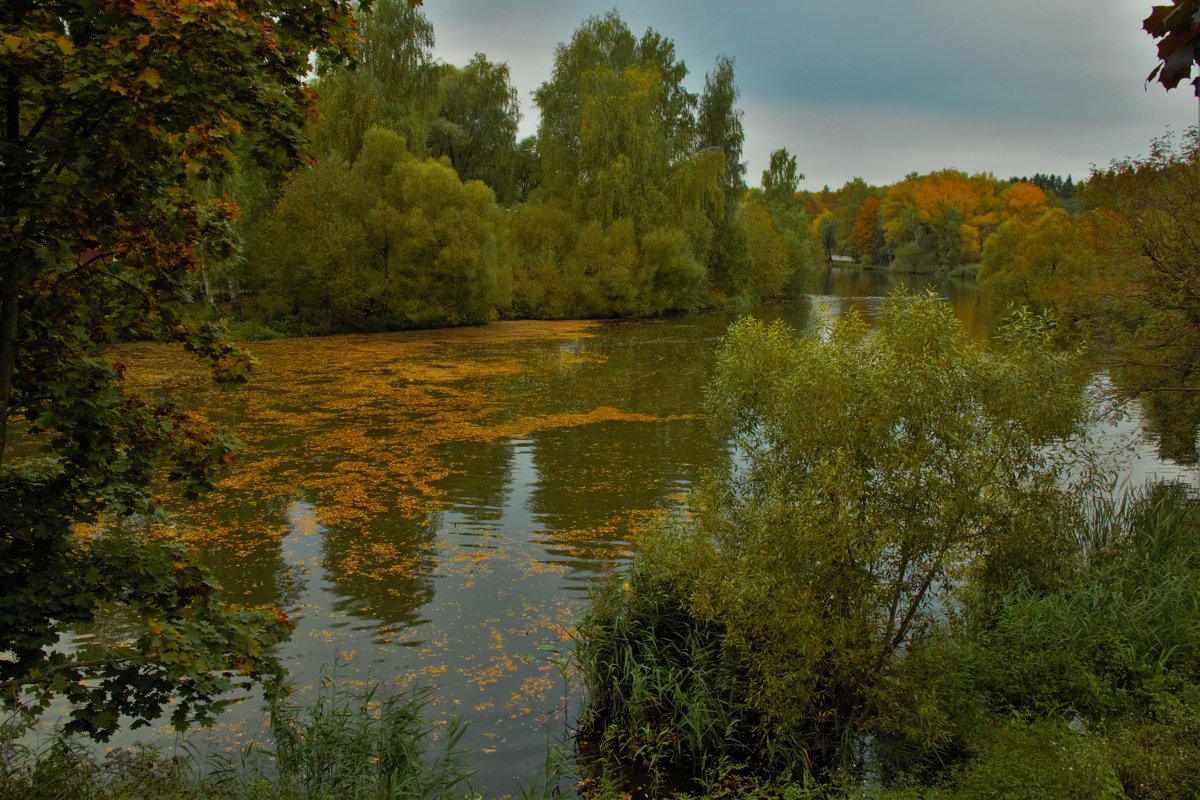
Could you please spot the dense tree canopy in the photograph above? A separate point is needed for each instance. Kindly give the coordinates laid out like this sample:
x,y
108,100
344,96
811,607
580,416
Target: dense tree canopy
x,y
114,114
389,242
616,146
719,126
477,125
392,83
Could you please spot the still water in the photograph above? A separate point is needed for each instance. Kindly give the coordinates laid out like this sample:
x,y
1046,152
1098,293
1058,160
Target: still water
x,y
432,507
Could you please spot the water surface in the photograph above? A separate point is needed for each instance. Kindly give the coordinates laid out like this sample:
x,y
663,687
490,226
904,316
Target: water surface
x,y
432,507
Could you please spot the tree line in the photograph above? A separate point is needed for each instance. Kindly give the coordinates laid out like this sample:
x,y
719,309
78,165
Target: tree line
x,y
421,207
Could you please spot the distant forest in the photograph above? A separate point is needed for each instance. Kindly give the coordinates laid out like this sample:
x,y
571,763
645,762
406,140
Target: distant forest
x,y
422,208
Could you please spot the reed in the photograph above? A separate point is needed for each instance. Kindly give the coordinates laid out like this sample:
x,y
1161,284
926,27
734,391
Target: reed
x,y
345,743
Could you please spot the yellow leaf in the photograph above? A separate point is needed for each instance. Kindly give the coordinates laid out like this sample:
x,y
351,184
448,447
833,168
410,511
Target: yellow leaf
x,y
150,77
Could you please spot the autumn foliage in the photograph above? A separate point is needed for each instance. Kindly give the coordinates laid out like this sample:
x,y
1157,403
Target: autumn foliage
x,y
116,116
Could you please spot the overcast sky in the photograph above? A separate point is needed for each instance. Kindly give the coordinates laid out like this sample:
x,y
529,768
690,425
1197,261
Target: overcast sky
x,y
880,88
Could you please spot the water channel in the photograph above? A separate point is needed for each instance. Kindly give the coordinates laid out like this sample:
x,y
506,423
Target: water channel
x,y
432,507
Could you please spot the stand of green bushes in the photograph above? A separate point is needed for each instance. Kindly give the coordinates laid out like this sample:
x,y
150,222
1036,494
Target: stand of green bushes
x,y
903,586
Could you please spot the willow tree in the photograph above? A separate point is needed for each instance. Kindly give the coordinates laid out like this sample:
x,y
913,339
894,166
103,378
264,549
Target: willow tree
x,y
390,241
616,144
392,82
881,477
477,124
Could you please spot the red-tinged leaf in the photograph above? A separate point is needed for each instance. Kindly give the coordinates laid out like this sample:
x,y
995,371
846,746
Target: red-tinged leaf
x,y
1155,24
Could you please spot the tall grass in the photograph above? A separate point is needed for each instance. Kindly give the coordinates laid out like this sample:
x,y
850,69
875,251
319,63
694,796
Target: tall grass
x,y
346,743
665,696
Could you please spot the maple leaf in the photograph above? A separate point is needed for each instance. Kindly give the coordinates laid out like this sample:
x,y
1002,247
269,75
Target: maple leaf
x,y
1177,29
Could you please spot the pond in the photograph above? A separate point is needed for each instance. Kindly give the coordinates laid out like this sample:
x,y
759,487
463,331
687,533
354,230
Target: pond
x,y
431,508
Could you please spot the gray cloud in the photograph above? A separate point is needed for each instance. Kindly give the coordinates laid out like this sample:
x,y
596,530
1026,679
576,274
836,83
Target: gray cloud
x,y
880,88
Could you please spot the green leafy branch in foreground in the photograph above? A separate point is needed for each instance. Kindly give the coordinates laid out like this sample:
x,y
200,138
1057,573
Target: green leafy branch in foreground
x,y
114,117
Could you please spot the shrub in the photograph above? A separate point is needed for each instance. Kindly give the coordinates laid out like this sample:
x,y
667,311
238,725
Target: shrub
x,y
875,476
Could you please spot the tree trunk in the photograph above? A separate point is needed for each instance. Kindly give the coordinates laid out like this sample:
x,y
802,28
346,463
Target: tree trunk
x,y
8,348
10,274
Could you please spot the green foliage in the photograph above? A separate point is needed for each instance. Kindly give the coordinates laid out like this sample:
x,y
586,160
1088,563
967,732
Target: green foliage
x,y
343,744
348,744
1146,212
719,125
180,651
1155,752
615,119
1100,672
1125,629
67,768
390,242
477,126
393,83
778,250
1043,264
546,282
1085,688
616,148
875,477
662,690
1043,759
781,179
118,120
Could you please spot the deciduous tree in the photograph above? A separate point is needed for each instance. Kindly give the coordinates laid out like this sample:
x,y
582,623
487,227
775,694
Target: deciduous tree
x,y
616,143
390,242
477,126
1147,218
781,178
113,113
392,83
1042,263
1177,29
879,476
719,126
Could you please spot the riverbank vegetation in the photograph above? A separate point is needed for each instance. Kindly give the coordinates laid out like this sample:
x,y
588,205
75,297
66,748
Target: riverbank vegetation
x,y
631,200
346,742
903,584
